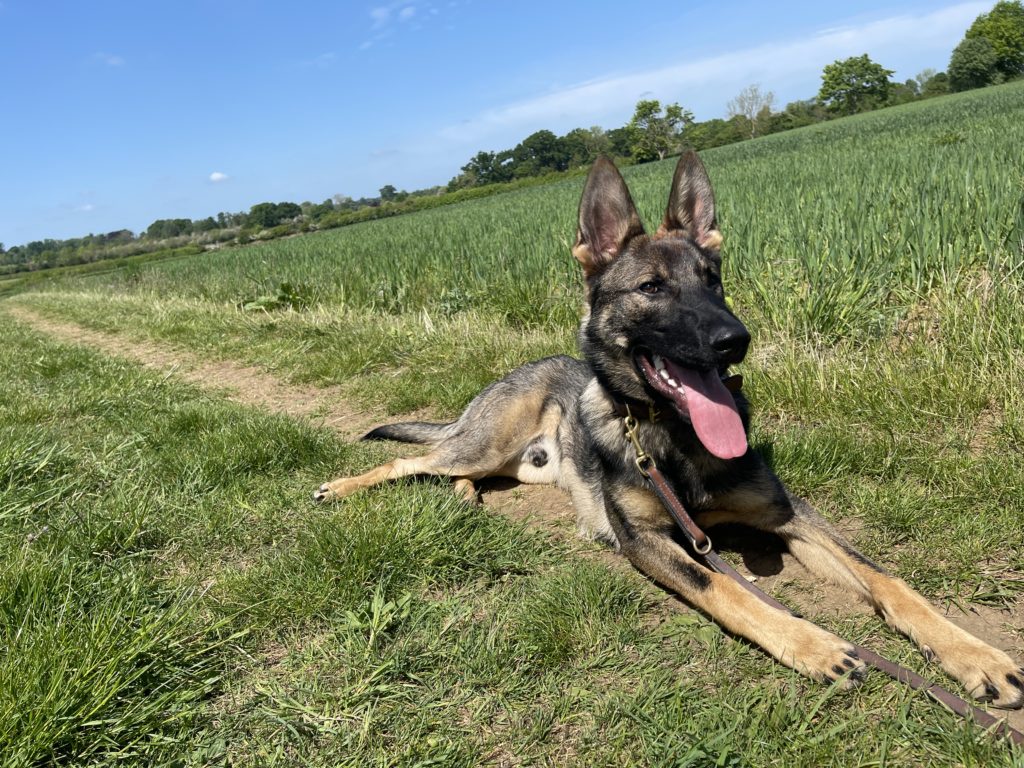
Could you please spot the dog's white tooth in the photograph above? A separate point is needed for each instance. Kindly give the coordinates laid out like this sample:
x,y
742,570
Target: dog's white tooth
x,y
673,383
664,373
659,363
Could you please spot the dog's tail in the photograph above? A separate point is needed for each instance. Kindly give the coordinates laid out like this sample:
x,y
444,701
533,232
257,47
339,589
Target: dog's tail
x,y
421,432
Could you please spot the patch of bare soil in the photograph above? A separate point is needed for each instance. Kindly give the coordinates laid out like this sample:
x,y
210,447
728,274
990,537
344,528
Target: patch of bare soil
x,y
985,429
244,384
545,508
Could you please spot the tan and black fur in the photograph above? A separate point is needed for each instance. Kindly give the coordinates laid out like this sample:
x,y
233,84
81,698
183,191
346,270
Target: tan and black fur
x,y
557,420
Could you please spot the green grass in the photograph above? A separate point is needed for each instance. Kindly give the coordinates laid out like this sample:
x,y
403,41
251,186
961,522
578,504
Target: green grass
x,y
169,595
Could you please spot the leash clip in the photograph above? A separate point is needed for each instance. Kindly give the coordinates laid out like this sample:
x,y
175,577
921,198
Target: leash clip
x,y
643,460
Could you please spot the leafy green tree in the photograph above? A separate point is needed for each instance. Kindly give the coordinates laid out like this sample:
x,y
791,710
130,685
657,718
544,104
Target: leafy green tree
x,y
653,134
266,215
796,115
226,220
936,85
973,65
388,193
1003,29
540,152
317,212
262,215
856,84
931,83
620,141
715,133
901,93
485,168
584,145
162,229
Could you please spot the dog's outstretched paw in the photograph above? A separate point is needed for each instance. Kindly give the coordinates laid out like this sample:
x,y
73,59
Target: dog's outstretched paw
x,y
1005,693
850,673
825,657
323,494
988,674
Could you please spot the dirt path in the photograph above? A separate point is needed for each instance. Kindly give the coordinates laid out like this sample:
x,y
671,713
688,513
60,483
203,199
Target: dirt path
x,y
541,507
243,384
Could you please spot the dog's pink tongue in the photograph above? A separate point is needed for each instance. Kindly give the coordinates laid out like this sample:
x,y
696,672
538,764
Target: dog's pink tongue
x,y
713,412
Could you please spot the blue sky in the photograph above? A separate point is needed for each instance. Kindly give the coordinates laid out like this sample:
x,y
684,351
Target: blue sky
x,y
117,113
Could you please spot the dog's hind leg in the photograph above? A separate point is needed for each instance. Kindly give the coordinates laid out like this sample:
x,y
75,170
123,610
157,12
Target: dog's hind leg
x,y
393,470
986,672
515,437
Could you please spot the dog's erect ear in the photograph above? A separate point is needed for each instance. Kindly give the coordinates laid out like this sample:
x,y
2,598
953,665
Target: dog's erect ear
x,y
691,204
608,218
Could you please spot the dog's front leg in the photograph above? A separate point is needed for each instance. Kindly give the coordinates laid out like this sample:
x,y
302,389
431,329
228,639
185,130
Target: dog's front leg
x,y
644,530
986,672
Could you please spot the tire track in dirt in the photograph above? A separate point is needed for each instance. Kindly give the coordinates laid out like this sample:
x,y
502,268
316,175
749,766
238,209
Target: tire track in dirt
x,y
243,384
543,508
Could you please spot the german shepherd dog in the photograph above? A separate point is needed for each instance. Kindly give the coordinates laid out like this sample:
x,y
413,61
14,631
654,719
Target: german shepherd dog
x,y
657,337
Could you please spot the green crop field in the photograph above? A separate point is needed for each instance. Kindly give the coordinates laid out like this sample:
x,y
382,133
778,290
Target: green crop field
x,y
170,596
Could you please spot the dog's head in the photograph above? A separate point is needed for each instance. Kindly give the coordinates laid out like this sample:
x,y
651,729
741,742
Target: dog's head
x,y
657,328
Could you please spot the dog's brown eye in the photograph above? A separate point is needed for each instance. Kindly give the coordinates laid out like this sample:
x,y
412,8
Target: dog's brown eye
x,y
651,287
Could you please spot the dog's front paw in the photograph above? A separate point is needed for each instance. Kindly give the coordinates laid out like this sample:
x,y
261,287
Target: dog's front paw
x,y
987,673
823,656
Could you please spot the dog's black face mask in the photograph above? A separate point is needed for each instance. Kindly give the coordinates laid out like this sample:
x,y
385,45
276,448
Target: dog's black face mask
x,y
658,328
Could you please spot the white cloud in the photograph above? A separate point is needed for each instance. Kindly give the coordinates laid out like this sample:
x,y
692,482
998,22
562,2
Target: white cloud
x,y
217,176
85,208
110,59
381,16
723,75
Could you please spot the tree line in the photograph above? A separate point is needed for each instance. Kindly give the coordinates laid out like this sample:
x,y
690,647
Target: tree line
x,y
991,52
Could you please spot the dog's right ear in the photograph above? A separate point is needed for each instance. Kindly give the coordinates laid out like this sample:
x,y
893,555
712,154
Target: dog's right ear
x,y
608,218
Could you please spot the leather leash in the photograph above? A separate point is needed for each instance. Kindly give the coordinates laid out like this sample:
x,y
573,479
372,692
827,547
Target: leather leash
x,y
702,547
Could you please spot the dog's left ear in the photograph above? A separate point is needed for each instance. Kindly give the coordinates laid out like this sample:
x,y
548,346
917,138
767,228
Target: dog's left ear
x,y
691,205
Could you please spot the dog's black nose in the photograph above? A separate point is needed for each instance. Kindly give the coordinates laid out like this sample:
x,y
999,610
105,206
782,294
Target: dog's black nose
x,y
730,342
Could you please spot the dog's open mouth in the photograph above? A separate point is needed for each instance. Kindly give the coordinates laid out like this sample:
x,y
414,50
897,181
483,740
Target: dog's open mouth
x,y
703,399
